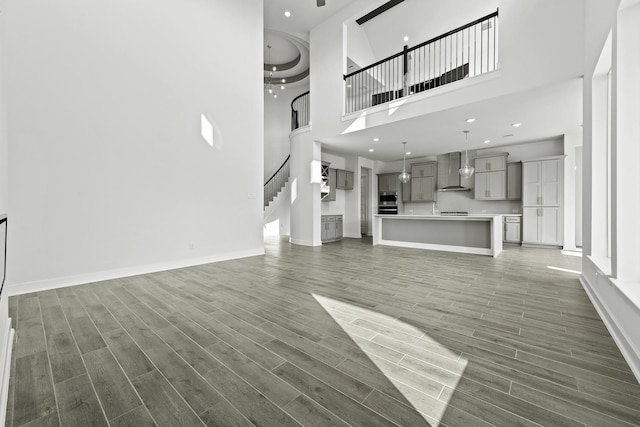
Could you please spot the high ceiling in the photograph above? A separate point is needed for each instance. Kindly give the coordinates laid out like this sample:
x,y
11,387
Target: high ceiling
x,y
545,113
289,36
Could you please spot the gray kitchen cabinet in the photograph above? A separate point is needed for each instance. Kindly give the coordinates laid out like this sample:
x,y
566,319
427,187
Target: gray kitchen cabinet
x,y
344,180
423,189
491,177
514,181
497,162
331,228
542,225
512,229
406,191
420,170
542,197
388,182
490,186
423,182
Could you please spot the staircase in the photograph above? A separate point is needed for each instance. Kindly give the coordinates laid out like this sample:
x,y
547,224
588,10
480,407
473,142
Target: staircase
x,y
282,196
276,188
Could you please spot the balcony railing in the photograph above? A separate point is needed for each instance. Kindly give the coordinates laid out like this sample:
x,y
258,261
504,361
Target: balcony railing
x,y
300,112
467,51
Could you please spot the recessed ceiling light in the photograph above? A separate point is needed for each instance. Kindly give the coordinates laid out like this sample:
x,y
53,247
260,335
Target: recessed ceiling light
x,y
287,13
486,141
284,80
282,87
408,153
516,125
371,150
470,120
348,85
275,95
406,38
274,68
376,139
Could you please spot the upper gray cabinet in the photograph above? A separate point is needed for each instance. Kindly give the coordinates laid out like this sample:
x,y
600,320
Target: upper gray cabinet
x,y
514,181
344,179
491,177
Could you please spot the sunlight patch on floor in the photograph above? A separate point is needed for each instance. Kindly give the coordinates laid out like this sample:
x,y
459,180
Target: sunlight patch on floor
x,y
566,270
424,371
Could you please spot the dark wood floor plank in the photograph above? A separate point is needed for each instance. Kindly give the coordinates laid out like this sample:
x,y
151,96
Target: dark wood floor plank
x,y
191,386
351,387
29,330
254,405
583,414
260,378
84,332
138,417
164,404
127,353
224,414
309,413
499,408
51,420
78,403
64,355
103,320
34,396
116,394
197,357
331,399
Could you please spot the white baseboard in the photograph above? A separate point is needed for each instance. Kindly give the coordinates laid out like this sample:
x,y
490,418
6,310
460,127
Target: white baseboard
x,y
303,242
625,346
352,236
81,279
5,370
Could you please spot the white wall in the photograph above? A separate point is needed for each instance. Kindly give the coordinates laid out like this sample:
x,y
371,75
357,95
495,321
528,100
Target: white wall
x,y
305,192
108,172
579,196
277,127
358,47
615,297
5,322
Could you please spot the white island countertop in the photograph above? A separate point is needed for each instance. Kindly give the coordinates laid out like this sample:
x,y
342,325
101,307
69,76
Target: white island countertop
x,y
475,233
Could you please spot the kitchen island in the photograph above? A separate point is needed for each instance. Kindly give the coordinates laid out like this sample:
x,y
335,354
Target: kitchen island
x,y
472,234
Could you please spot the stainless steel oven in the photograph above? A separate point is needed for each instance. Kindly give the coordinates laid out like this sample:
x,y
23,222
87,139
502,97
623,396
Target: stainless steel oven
x,y
388,202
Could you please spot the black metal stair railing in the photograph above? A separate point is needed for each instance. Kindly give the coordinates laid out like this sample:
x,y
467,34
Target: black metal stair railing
x,y
467,51
300,111
277,181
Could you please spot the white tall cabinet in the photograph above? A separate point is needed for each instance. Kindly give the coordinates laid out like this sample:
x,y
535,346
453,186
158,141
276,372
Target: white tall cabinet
x,y
542,196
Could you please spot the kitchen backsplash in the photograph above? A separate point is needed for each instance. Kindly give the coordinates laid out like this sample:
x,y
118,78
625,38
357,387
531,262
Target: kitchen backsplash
x,y
463,201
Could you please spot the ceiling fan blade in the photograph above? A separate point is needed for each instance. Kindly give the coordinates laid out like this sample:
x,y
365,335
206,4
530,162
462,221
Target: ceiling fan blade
x,y
320,2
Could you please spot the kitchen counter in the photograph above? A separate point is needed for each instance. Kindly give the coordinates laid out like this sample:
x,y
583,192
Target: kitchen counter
x,y
475,234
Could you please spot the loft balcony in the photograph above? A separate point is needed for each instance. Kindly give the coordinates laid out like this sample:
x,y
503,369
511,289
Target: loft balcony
x,y
465,52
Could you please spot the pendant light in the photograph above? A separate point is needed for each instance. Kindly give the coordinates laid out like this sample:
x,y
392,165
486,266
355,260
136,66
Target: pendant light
x,y
466,171
404,177
268,84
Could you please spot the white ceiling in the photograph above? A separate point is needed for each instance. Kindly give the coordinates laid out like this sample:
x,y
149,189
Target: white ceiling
x,y
545,113
304,15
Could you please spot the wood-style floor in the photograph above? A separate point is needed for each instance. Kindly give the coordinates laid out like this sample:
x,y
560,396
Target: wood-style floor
x,y
345,334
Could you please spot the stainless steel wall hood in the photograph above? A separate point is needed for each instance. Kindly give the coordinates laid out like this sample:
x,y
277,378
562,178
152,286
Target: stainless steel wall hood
x,y
453,175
